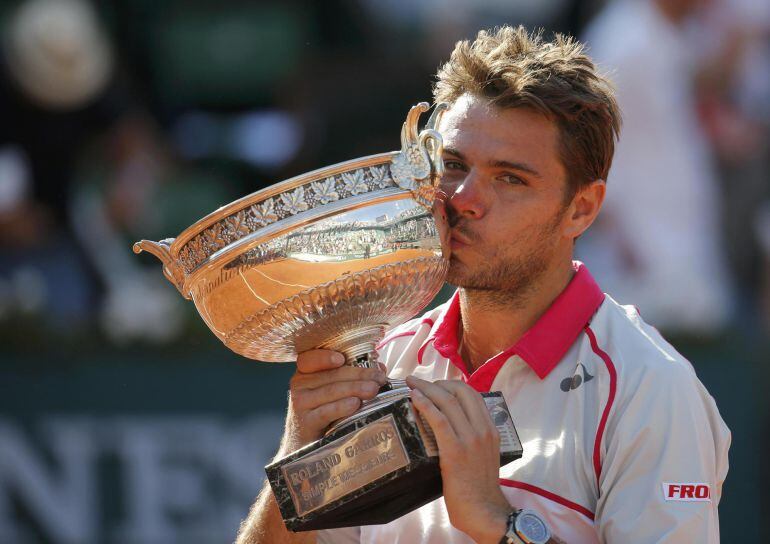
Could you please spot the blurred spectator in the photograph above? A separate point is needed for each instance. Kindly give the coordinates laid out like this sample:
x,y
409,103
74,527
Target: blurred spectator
x,y
658,241
58,92
734,102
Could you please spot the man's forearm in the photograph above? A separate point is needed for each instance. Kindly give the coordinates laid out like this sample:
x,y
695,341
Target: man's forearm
x,y
264,524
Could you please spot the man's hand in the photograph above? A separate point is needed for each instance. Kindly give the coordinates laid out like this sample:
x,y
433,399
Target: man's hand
x,y
469,456
323,390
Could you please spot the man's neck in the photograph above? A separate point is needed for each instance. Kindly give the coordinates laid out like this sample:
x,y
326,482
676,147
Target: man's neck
x,y
491,321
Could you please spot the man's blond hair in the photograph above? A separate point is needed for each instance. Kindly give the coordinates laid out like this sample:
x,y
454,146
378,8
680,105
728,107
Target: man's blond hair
x,y
513,68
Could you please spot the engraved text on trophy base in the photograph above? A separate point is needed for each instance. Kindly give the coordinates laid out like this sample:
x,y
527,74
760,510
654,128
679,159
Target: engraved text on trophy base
x,y
347,464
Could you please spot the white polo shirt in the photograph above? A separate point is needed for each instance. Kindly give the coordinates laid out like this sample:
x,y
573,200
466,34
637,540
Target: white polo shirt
x,y
622,443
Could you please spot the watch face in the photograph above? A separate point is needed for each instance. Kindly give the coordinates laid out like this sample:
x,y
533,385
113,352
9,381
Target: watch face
x,y
530,526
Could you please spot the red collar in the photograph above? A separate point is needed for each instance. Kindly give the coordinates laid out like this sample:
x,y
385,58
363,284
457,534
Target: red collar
x,y
541,347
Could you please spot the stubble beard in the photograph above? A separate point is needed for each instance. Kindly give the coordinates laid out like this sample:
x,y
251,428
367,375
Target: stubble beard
x,y
503,279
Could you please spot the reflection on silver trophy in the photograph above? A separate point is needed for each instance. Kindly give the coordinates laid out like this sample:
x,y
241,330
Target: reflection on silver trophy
x,y
332,259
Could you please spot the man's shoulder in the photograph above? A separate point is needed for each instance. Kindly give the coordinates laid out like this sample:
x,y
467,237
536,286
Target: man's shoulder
x,y
651,375
636,348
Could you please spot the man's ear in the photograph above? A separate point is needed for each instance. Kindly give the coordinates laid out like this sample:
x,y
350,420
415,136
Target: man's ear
x,y
584,208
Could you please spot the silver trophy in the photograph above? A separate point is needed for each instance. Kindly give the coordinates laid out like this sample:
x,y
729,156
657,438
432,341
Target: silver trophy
x,y
331,259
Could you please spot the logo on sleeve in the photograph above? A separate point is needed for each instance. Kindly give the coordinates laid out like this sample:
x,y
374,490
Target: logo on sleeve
x,y
686,492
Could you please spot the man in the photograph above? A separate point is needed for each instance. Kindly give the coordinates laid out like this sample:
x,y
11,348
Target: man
x,y
621,441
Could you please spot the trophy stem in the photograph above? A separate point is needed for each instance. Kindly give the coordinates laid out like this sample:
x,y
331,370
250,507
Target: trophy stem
x,y
358,345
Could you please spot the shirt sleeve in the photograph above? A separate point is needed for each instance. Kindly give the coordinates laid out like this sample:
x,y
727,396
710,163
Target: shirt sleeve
x,y
347,535
664,460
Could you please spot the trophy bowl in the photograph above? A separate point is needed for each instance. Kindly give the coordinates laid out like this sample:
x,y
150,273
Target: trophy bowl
x,y
329,259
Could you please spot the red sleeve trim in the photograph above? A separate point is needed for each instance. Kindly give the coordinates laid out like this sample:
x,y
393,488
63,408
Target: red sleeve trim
x,y
391,338
548,495
427,321
610,399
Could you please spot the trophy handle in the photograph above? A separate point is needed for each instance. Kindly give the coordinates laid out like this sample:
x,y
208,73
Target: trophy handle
x,y
431,139
418,167
170,268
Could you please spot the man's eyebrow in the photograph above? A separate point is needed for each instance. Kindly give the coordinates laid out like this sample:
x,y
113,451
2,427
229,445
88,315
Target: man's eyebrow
x,y
515,166
499,163
455,152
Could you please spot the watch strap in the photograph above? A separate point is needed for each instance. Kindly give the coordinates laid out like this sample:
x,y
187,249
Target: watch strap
x,y
510,536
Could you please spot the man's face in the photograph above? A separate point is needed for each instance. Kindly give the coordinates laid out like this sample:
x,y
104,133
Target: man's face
x,y
506,187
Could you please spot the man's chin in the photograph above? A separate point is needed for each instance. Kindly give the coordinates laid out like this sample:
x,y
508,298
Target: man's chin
x,y
458,274
464,281
473,280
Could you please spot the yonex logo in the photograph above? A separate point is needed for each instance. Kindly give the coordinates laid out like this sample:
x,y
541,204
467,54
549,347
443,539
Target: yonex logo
x,y
574,381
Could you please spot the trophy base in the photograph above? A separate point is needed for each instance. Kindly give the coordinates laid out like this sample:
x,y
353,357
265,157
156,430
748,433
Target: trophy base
x,y
371,468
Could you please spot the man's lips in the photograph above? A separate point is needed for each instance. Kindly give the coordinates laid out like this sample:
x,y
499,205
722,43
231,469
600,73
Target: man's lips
x,y
457,240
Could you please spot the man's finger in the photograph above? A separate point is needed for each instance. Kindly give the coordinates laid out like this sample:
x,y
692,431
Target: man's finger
x,y
473,404
439,423
341,374
316,360
324,415
309,399
446,402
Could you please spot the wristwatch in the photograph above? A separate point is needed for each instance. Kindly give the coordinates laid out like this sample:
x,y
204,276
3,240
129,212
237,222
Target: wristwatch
x,y
525,527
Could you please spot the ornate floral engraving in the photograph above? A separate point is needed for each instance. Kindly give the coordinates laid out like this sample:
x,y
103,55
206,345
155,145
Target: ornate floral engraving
x,y
354,182
192,252
197,248
263,214
214,237
324,191
235,225
380,178
294,201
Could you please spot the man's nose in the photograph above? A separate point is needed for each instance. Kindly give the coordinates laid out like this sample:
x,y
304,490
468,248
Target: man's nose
x,y
467,198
